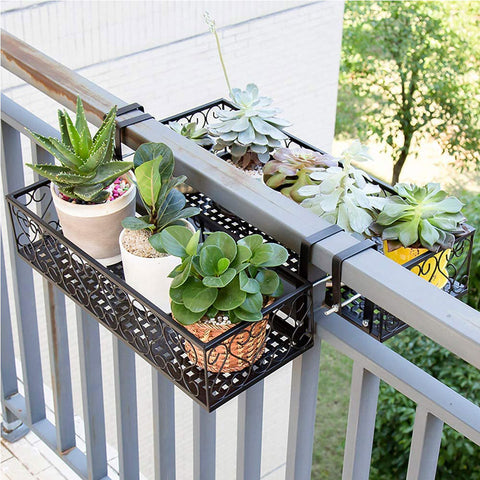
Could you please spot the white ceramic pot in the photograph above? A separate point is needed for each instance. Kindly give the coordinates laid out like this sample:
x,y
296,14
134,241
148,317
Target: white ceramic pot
x,y
149,276
95,228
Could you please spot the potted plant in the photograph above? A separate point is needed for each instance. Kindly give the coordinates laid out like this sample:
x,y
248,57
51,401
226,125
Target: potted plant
x,y
220,283
253,131
146,269
90,190
344,194
290,169
417,220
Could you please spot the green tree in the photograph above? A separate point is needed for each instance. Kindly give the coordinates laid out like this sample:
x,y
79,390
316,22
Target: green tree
x,y
409,71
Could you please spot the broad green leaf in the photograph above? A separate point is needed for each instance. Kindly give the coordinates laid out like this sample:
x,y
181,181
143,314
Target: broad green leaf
x,y
247,316
192,244
268,281
179,268
253,303
149,181
174,240
247,284
243,255
196,296
269,255
170,209
428,234
149,151
210,255
225,242
176,294
136,223
251,241
222,265
184,316
221,281
182,277
230,297
212,312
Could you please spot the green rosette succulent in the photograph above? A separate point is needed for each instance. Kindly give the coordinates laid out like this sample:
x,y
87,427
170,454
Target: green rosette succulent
x,y
252,131
220,275
86,165
193,132
165,205
290,169
345,195
420,215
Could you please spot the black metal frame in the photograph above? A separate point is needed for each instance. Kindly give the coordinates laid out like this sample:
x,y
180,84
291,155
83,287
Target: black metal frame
x,y
152,333
362,312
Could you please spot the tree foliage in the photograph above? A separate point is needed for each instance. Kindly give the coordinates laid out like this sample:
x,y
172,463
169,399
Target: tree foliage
x,y
459,457
410,71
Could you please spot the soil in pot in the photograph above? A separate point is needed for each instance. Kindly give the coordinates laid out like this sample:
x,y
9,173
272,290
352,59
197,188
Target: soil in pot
x,y
95,227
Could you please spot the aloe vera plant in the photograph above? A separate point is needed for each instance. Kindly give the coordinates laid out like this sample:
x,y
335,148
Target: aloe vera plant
x,y
192,131
86,165
220,276
165,206
420,215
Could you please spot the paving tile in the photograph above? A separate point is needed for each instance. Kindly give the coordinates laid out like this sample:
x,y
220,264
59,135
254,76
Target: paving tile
x,y
29,455
12,469
51,473
5,453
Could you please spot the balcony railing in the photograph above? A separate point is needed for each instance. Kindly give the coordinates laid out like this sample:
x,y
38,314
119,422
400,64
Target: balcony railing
x,y
421,305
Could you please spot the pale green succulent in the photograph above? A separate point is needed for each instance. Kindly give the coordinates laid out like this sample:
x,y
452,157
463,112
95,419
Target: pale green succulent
x,y
424,215
193,132
87,166
252,131
345,195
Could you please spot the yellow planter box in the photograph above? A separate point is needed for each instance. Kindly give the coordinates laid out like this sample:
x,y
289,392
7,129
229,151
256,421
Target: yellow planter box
x,y
434,269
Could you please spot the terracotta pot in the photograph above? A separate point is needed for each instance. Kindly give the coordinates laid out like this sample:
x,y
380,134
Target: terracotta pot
x,y
434,269
232,355
95,228
149,276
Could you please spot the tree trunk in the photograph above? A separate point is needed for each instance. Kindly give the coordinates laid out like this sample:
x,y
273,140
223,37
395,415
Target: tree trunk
x,y
398,165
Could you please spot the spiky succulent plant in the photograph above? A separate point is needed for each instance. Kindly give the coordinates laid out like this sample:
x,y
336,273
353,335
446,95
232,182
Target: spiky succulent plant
x,y
290,168
220,275
420,215
87,166
192,131
345,195
250,133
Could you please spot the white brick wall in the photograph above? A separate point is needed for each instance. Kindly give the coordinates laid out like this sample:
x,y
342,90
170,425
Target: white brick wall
x,y
161,55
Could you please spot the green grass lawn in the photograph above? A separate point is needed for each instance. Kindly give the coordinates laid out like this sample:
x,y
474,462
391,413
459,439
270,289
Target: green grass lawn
x,y
332,411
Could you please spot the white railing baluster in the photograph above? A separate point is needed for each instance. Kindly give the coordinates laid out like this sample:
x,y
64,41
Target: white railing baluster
x,y
57,335
249,435
163,426
92,394
126,405
204,440
425,447
22,288
361,424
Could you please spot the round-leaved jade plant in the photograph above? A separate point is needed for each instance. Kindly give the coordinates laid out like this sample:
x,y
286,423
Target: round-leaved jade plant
x,y
220,275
